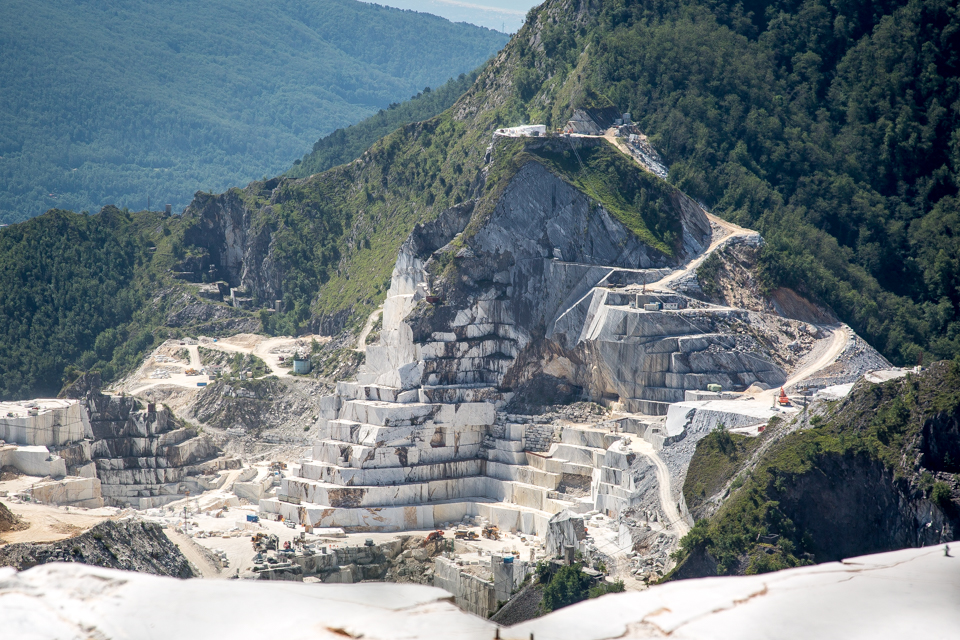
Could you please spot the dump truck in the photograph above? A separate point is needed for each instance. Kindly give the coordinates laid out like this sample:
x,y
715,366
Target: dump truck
x,y
191,372
464,534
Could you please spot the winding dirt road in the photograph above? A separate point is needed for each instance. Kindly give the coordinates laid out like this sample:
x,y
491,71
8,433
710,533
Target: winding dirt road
x,y
675,521
367,328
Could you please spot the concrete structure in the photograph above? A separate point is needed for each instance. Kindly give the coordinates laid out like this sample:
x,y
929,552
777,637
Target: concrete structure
x,y
301,366
478,586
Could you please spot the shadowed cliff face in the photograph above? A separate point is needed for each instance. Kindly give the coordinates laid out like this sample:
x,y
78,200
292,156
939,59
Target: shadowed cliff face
x,y
870,476
940,442
853,506
238,247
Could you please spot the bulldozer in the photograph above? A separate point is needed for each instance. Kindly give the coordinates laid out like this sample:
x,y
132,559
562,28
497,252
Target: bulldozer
x,y
433,536
265,542
491,532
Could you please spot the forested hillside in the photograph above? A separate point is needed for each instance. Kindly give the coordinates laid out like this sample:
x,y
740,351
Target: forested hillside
x,y
77,291
830,128
117,102
863,476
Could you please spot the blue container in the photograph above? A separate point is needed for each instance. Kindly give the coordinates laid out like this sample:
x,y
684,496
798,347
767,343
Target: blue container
x,y
252,518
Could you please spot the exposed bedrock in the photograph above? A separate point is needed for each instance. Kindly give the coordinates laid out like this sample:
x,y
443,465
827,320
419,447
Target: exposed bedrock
x,y
238,249
142,454
552,284
545,291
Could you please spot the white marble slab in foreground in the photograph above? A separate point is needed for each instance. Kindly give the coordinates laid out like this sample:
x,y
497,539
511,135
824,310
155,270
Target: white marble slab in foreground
x,y
914,593
901,595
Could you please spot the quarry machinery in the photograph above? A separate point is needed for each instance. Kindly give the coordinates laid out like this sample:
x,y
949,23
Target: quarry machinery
x,y
783,400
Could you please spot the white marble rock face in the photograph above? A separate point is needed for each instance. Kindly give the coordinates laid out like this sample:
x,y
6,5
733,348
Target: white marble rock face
x,y
912,593
552,273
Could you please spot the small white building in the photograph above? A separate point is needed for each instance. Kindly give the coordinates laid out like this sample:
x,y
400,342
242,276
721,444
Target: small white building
x,y
523,131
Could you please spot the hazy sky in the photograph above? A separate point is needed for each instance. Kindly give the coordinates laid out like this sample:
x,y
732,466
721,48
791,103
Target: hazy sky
x,y
502,15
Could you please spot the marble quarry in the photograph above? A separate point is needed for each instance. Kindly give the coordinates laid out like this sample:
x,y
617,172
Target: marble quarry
x,y
143,455
95,449
421,437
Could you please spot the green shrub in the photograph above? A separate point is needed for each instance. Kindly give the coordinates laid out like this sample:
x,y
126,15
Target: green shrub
x,y
940,493
569,585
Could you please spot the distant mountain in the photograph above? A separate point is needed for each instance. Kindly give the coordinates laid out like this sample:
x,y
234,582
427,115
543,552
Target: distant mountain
x,y
502,15
115,103
344,145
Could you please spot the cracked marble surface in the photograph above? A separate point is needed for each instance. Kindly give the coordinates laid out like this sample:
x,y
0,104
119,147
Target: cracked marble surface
x,y
912,593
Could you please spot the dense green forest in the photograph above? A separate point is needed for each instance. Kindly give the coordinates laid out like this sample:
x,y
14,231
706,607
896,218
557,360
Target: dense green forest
x,y
120,101
345,145
833,128
76,292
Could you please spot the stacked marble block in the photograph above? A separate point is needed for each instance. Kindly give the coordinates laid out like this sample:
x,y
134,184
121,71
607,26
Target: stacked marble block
x,y
386,463
601,456
595,454
650,358
70,491
143,457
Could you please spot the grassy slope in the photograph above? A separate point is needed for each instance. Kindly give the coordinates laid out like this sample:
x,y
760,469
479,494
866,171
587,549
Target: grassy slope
x,y
638,199
718,458
110,104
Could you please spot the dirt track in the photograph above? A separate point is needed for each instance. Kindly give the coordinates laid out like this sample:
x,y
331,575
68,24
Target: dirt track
x,y
261,346
49,523
675,522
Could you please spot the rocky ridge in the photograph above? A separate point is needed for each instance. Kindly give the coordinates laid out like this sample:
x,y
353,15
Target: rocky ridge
x,y
496,309
126,545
